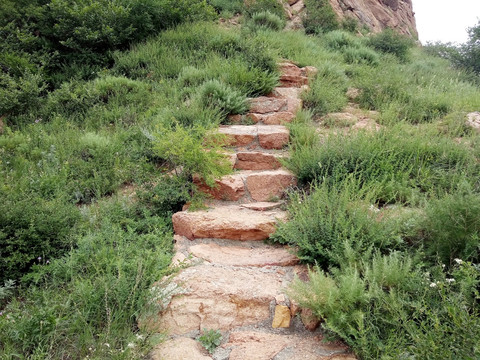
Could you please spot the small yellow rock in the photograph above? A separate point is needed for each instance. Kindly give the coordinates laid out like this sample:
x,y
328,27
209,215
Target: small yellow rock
x,y
282,317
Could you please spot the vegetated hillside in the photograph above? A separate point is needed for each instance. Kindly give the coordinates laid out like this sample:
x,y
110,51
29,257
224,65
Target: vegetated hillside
x,y
93,117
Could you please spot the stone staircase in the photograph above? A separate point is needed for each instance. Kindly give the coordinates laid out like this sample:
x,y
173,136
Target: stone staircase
x,y
234,282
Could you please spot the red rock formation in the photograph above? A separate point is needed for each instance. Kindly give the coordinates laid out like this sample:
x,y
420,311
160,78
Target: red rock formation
x,y
379,14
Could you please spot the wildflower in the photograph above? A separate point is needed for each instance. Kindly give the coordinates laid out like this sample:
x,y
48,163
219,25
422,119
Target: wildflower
x,y
48,262
450,280
1,313
37,121
39,258
458,261
107,345
131,345
443,266
140,337
432,285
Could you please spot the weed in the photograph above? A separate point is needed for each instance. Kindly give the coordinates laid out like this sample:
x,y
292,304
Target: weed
x,y
210,339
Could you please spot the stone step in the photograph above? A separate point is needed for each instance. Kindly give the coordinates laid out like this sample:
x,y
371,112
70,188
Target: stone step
x,y
233,253
219,297
256,160
254,136
227,222
263,185
255,344
293,76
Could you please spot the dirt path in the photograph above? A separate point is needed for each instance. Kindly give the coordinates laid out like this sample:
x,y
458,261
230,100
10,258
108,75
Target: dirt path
x,y
235,283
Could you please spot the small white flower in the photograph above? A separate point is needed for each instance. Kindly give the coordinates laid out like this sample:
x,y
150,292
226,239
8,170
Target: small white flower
x,y
450,280
107,345
458,261
131,345
443,266
140,337
432,285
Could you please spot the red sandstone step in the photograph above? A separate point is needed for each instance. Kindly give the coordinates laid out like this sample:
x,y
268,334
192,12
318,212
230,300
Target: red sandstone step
x,y
251,136
256,160
227,222
263,185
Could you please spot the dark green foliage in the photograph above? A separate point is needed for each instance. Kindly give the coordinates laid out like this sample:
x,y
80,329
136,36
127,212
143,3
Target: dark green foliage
x,y
95,294
333,219
327,93
361,56
32,231
230,6
266,20
389,42
387,308
210,339
340,40
403,167
256,6
320,17
452,227
167,196
217,95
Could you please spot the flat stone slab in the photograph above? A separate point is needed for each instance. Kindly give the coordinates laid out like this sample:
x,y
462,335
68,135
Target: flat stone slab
x,y
267,185
239,135
269,136
257,345
229,187
262,205
264,104
181,348
227,222
276,118
273,136
217,297
256,160
242,256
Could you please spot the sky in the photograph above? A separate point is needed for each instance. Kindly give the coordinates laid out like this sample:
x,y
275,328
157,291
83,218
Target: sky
x,y
445,20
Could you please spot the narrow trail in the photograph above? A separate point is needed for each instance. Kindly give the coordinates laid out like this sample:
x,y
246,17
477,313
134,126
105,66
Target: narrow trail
x,y
235,283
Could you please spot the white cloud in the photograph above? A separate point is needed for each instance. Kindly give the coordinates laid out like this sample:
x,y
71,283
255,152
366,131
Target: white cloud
x,y
445,20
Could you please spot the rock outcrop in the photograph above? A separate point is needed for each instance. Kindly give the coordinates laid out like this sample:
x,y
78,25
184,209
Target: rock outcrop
x,y
379,14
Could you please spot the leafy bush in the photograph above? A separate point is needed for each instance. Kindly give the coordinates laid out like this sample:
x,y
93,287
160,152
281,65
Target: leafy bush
x,y
88,302
390,42
33,231
329,221
267,20
361,56
215,94
327,90
194,151
339,40
256,6
320,17
404,168
452,227
386,308
210,339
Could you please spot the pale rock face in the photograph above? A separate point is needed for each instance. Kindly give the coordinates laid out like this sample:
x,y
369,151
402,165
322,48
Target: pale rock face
x,y
473,120
379,14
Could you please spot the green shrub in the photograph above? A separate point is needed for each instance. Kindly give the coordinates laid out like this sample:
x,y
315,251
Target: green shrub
x,y
186,149
231,6
411,315
329,221
217,95
210,339
339,40
267,20
390,42
89,301
256,6
361,56
167,196
327,90
33,231
452,227
403,167
320,17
